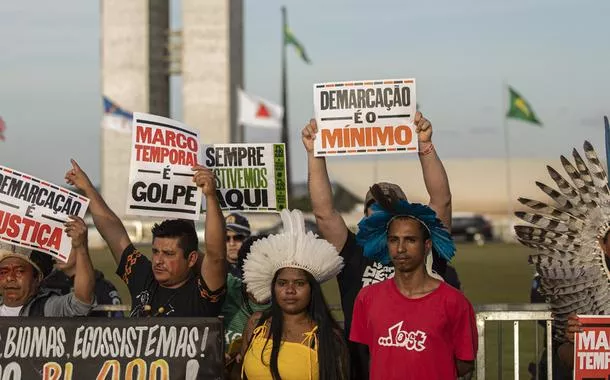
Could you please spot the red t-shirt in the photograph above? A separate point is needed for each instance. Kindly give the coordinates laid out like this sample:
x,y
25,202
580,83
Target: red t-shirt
x,y
414,338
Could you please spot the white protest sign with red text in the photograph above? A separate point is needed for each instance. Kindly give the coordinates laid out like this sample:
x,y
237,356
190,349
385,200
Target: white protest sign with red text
x,y
592,348
33,213
161,180
365,117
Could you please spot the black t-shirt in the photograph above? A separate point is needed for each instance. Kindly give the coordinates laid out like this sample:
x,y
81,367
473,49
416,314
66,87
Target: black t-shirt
x,y
149,298
105,292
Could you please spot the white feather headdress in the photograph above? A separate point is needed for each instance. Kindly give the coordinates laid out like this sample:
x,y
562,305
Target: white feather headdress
x,y
293,248
568,257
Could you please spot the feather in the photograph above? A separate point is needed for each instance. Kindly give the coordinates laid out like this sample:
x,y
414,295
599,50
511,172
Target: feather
x,y
597,170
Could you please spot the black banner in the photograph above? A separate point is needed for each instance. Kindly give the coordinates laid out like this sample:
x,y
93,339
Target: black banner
x,y
111,349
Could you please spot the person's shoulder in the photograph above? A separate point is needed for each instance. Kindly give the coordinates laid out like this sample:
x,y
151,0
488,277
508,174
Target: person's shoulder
x,y
233,282
376,288
454,295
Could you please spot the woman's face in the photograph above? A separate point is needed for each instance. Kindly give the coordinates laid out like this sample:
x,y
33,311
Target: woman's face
x,y
292,290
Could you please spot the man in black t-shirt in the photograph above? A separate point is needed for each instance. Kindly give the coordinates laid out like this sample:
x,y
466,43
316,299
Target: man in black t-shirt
x,y
168,284
359,270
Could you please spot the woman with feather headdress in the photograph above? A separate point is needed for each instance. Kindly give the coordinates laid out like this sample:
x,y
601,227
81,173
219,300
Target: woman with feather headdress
x,y
297,338
570,237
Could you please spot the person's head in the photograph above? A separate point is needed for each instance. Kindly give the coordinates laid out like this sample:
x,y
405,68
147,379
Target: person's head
x,y
244,250
174,251
414,226
408,243
21,272
389,190
238,229
296,291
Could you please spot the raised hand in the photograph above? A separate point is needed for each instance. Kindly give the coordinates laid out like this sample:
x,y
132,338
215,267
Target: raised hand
x,y
206,179
76,228
77,177
423,128
308,135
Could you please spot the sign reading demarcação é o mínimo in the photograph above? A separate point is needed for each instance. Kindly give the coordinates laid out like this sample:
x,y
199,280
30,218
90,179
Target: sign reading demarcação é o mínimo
x,y
160,178
111,349
365,117
249,177
33,213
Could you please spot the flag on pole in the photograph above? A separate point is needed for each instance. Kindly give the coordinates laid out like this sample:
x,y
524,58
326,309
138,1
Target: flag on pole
x,y
115,117
520,109
258,112
290,39
2,129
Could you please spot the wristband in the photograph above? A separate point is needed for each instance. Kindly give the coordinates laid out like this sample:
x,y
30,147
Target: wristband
x,y
427,150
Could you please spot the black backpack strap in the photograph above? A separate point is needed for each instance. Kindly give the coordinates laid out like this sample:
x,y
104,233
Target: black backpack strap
x,y
37,307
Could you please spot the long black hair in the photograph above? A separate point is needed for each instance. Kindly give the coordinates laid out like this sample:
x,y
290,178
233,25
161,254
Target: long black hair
x,y
330,338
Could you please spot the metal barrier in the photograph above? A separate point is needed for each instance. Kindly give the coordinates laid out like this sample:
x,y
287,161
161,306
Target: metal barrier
x,y
515,313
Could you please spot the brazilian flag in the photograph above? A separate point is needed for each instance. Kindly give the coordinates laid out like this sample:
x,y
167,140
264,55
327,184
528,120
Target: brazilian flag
x,y
290,39
520,109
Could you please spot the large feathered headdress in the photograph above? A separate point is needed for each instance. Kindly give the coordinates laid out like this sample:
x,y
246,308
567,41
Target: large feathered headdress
x,y
373,230
568,257
293,248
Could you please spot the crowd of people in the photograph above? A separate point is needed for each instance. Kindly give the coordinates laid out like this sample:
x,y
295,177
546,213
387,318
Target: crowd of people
x,y
404,314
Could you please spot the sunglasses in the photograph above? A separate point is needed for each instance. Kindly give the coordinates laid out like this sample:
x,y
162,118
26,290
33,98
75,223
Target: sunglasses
x,y
238,238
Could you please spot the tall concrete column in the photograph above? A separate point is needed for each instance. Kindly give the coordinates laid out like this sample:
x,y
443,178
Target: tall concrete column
x,y
212,67
134,36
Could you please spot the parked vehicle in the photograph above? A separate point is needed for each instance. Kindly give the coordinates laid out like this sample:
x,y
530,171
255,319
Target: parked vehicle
x,y
471,227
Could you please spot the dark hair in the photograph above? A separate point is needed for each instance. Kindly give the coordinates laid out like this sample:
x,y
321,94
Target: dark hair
x,y
182,229
422,227
44,262
330,341
243,251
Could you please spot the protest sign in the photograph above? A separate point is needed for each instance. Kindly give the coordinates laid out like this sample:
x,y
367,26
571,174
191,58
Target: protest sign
x,y
111,349
365,117
249,177
160,179
592,348
33,213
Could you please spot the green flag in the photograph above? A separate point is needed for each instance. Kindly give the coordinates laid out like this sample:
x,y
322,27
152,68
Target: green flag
x,y
290,39
520,109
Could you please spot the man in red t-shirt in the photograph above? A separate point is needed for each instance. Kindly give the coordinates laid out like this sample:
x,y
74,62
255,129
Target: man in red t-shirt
x,y
415,326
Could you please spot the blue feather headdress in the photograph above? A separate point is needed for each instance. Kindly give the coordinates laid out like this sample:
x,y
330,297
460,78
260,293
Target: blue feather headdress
x,y
373,230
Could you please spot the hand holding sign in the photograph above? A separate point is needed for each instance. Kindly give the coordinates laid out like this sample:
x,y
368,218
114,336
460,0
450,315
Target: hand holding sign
x,y
308,135
205,179
77,231
423,127
77,177
574,326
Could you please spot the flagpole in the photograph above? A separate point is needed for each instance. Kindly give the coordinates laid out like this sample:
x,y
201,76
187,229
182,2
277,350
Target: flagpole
x,y
285,134
509,209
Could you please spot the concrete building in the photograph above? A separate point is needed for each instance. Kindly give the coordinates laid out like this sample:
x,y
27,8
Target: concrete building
x,y
136,56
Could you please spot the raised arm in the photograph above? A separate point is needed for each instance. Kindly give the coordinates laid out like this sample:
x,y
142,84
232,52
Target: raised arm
x,y
435,177
214,267
84,277
107,223
330,222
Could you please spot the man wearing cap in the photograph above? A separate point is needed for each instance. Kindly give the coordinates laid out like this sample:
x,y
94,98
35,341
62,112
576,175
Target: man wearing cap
x,y
360,270
238,230
21,273
168,284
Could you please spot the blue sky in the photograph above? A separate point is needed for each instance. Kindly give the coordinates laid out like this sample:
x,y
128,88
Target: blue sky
x,y
554,52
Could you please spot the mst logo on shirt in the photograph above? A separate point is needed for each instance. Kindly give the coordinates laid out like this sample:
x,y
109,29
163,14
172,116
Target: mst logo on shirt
x,y
397,337
375,273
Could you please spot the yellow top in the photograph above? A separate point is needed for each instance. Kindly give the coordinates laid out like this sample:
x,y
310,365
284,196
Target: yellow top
x,y
295,361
